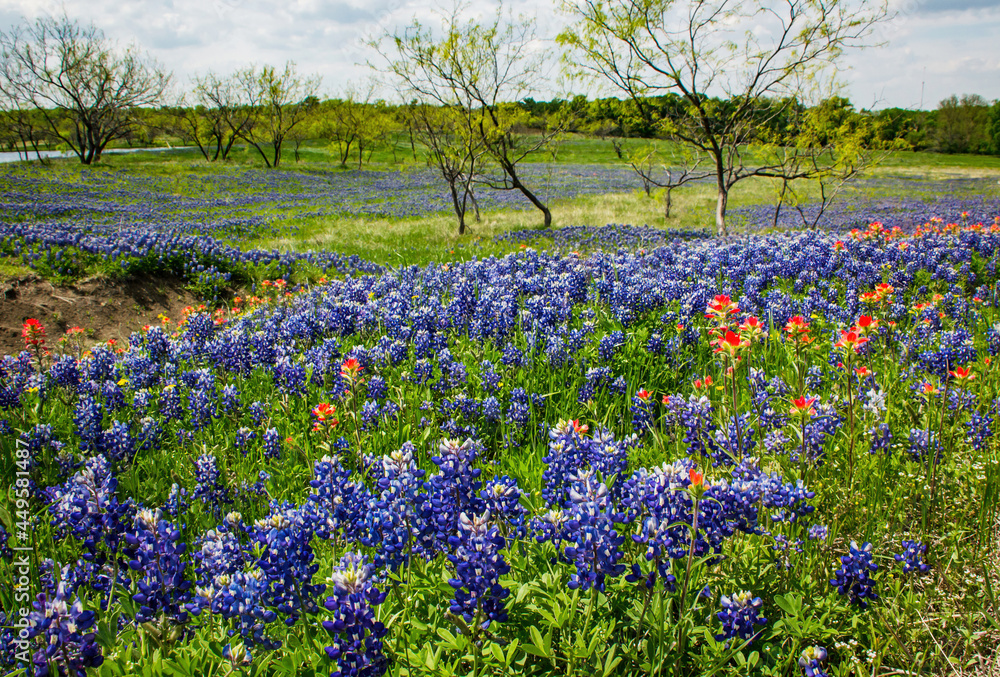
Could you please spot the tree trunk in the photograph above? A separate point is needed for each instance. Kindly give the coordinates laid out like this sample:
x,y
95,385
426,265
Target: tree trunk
x,y
720,211
666,203
777,207
516,183
459,207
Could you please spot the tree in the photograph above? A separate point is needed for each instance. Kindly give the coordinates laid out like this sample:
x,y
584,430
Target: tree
x,y
22,128
832,145
963,125
479,71
356,123
85,87
455,149
995,127
695,50
277,102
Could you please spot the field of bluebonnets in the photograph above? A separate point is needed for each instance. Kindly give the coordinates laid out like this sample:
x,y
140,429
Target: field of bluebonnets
x,y
610,451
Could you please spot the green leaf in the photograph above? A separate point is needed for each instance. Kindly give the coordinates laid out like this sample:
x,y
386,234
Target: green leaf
x,y
536,637
610,662
535,650
789,603
497,652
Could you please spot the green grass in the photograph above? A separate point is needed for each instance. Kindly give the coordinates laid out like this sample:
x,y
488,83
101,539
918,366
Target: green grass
x,y
418,240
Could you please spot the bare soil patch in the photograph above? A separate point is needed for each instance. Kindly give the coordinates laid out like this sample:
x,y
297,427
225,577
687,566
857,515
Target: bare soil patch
x,y
105,309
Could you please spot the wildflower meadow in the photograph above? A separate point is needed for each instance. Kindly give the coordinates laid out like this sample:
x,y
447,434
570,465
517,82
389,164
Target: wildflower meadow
x,y
601,451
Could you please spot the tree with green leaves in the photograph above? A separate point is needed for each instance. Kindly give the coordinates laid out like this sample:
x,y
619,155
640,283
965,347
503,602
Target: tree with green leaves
x,y
728,61
478,71
994,127
962,125
86,88
277,101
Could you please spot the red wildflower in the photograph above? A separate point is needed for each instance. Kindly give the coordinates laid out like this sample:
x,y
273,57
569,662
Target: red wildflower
x,y
730,343
350,368
851,340
697,478
960,374
867,324
33,333
803,406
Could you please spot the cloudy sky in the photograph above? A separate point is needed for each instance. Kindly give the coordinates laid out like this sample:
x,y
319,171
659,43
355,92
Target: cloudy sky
x,y
931,50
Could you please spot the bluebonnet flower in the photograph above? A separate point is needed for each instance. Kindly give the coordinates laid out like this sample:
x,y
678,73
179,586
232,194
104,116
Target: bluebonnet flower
x,y
10,643
811,661
41,438
89,423
243,438
502,498
141,401
740,614
119,444
921,442
170,402
258,413
220,552
881,439
357,635
87,508
479,564
912,557
287,560
854,577
642,412
154,551
342,500
290,377
490,378
567,454
176,503
241,596
978,429
519,409
694,416
512,356
5,551
549,527
397,516
230,399
377,388
62,627
609,344
818,532
209,489
150,432
272,443
65,371
454,490
593,543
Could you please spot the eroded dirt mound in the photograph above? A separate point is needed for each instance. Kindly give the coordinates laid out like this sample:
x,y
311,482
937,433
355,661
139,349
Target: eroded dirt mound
x,y
104,309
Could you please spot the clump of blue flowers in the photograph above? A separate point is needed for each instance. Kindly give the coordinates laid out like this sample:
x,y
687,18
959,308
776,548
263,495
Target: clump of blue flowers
x,y
740,614
357,635
479,564
854,577
912,557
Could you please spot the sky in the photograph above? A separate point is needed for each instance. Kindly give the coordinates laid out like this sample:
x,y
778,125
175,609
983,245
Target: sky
x,y
930,50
